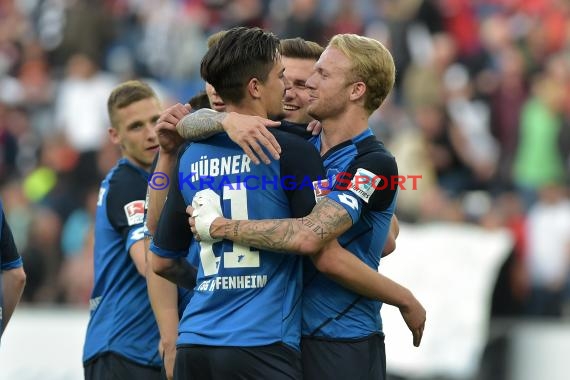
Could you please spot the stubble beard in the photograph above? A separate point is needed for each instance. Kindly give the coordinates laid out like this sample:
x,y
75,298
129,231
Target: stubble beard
x,y
312,112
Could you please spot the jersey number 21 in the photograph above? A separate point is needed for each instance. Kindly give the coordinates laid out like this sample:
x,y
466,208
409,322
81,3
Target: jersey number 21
x,y
240,256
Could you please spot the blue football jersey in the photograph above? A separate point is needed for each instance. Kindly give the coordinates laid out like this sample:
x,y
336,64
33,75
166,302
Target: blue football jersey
x,y
243,296
121,319
354,169
9,257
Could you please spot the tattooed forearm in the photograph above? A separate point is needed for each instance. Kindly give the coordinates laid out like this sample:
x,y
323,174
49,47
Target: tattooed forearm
x,y
201,124
313,226
331,217
304,235
273,235
236,228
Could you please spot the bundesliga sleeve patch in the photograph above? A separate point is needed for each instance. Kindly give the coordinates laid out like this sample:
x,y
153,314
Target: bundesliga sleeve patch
x,y
134,212
321,189
364,183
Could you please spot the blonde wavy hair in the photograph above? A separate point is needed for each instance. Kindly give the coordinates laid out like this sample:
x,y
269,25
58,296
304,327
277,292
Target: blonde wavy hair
x,y
372,64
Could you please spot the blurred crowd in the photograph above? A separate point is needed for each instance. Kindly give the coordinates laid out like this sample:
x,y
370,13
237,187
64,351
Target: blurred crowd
x,y
481,110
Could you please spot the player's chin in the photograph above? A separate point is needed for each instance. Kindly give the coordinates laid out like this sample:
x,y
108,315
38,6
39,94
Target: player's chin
x,y
278,114
313,111
289,115
148,156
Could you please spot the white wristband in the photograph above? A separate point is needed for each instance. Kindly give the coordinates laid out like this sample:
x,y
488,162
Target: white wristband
x,y
206,205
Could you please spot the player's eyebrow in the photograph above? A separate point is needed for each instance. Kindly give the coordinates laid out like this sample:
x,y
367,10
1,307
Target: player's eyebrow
x,y
134,124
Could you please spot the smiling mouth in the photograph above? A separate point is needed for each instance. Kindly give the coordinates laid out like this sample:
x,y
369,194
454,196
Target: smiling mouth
x,y
290,107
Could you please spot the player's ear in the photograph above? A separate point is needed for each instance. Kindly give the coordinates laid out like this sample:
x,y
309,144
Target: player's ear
x,y
254,88
357,91
114,135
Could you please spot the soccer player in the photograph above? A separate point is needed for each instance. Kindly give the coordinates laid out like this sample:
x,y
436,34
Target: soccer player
x,y
299,57
169,301
12,275
243,320
166,301
351,79
164,296
122,335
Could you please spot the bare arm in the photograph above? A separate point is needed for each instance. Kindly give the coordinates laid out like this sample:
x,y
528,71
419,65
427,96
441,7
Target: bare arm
x,y
178,271
390,245
201,124
159,181
249,132
159,184
137,253
163,296
349,271
13,282
306,236
314,235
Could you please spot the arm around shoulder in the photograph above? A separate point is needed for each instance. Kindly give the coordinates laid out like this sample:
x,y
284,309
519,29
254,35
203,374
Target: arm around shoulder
x,y
305,236
343,267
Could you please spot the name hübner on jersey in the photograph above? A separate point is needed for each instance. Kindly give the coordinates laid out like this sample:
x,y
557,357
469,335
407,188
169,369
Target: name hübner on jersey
x,y
233,282
222,166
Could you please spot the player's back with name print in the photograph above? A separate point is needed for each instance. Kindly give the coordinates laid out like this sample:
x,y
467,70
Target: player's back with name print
x,y
244,296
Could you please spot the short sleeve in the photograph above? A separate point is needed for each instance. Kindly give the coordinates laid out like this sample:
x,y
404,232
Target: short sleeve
x,y
126,204
370,182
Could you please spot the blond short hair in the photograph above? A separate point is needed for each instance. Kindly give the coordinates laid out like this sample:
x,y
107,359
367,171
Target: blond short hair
x,y
371,63
126,94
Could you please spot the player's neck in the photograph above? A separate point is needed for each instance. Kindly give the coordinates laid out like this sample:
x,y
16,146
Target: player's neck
x,y
342,128
137,163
